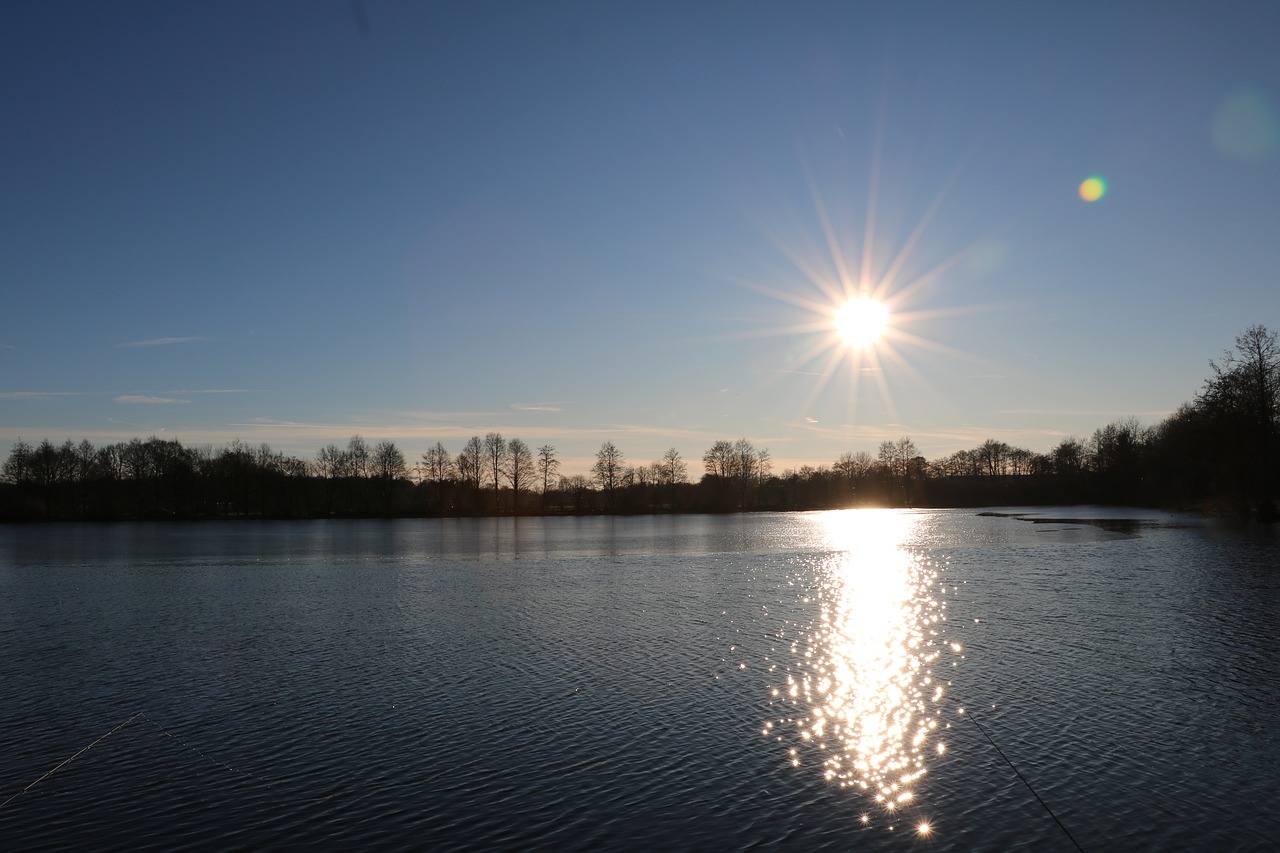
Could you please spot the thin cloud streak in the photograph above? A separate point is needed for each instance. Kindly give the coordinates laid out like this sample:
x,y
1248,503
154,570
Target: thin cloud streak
x,y
270,423
147,400
1093,413
159,342
38,395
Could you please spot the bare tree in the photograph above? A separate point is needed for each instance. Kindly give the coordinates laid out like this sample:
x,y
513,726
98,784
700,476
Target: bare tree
x,y
673,469
1021,461
853,468
548,464
387,467
608,469
995,457
897,456
718,460
388,462
754,463
899,459
19,467
750,467
358,457
437,464
1068,457
736,465
520,469
1115,449
578,488
471,461
1244,396
330,462
495,452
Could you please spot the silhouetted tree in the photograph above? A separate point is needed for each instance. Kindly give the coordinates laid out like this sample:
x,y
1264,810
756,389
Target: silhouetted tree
x,y
1243,396
1115,455
548,464
577,489
437,464
388,462
672,472
495,452
330,466
471,468
853,470
673,469
520,469
731,470
1068,457
995,457
718,460
438,471
608,469
898,460
388,468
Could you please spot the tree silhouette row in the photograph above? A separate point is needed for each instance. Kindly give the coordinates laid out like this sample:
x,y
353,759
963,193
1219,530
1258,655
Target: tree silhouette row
x,y
1217,451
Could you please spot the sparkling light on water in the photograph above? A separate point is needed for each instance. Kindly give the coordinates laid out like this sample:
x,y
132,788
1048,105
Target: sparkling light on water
x,y
862,698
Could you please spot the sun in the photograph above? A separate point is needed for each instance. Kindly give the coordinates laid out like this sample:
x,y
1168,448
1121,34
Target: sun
x,y
861,321
871,315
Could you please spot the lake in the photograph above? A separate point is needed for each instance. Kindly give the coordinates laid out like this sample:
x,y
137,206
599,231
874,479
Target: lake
x,y
859,680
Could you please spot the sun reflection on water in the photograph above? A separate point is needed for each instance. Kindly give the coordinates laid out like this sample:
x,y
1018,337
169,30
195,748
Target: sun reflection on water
x,y
861,697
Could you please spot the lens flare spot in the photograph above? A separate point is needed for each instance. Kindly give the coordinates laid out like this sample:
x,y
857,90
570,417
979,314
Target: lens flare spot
x,y
1093,188
1246,126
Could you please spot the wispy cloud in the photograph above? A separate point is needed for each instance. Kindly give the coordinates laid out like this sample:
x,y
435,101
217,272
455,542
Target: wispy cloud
x,y
217,391
160,342
37,395
1094,413
535,407
148,400
7,346
273,423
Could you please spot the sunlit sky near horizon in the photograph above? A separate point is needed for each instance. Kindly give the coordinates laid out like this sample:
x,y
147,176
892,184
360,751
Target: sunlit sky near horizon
x,y
576,222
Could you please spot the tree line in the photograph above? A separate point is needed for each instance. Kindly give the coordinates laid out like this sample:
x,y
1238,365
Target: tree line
x,y
1216,451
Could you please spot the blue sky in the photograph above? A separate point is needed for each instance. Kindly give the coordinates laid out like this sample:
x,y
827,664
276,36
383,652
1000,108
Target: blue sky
x,y
570,223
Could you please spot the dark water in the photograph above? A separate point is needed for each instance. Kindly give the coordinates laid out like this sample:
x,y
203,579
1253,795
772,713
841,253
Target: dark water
x,y
791,681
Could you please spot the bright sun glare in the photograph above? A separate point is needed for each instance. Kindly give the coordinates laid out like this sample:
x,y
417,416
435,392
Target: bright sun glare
x,y
862,310
861,321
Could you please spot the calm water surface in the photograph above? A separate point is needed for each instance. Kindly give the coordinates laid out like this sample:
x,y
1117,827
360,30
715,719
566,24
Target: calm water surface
x,y
862,680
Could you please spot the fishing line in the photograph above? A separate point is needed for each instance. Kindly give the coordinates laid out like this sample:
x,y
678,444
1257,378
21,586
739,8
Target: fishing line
x,y
67,761
1039,799
176,738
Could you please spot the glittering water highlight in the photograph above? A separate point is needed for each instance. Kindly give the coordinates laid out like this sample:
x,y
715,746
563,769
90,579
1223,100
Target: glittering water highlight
x,y
862,698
